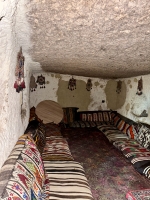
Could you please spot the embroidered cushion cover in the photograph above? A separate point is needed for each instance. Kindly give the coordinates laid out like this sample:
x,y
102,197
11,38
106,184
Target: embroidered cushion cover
x,y
56,148
144,137
28,173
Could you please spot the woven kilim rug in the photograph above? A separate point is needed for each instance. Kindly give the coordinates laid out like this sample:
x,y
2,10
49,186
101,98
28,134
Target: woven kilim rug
x,y
111,176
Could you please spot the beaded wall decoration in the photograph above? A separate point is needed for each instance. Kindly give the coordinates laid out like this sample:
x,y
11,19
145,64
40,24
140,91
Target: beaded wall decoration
x,y
119,85
41,81
33,84
19,84
72,84
140,87
89,85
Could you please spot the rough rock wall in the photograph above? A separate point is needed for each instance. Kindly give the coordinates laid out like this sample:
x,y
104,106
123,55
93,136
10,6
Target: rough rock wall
x,y
13,34
131,98
57,90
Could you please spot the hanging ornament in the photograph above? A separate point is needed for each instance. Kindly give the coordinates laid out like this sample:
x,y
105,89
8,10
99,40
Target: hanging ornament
x,y
89,85
19,84
72,84
41,81
119,85
140,87
33,84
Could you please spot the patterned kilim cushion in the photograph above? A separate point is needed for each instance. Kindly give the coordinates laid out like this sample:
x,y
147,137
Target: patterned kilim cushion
x,y
123,144
67,181
140,160
8,167
101,116
132,153
107,116
69,114
83,117
89,117
143,194
95,117
28,172
56,148
144,137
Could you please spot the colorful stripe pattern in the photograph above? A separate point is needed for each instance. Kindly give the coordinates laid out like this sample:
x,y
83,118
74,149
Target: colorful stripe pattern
x,y
67,181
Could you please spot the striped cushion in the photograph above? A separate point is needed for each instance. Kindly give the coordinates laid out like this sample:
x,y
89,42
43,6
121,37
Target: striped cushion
x,y
104,127
132,132
106,116
67,181
134,152
121,125
114,135
116,120
83,117
95,117
125,128
56,148
89,117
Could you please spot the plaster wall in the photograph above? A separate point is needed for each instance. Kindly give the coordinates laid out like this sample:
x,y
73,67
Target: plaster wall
x,y
57,90
131,97
115,100
13,28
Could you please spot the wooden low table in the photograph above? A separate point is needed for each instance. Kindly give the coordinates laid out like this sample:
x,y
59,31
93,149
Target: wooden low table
x,y
49,111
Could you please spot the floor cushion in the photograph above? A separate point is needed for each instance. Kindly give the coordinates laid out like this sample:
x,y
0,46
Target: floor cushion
x,y
67,181
56,148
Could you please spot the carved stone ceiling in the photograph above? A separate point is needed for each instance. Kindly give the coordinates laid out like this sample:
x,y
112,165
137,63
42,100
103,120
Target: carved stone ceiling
x,y
96,38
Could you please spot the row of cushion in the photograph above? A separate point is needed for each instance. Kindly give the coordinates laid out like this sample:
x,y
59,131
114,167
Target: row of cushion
x,y
133,142
70,115
100,116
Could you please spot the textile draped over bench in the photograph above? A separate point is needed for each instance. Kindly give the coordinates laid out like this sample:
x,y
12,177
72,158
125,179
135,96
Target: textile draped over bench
x,y
41,167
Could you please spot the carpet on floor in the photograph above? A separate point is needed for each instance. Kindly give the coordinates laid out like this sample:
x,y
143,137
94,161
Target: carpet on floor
x,y
111,176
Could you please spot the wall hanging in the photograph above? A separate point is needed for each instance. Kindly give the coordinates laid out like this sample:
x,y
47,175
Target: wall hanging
x,y
140,87
89,84
19,84
119,85
72,84
33,84
41,81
